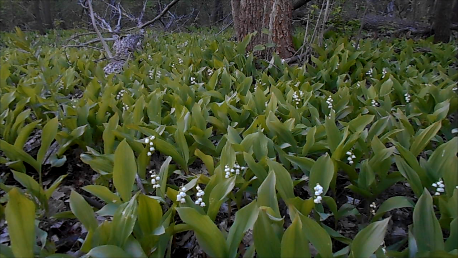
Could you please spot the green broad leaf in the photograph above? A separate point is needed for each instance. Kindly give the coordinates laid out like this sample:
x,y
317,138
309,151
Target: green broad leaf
x,y
281,130
309,141
47,136
267,195
443,160
317,235
180,139
53,187
31,185
452,241
123,222
101,164
124,170
103,193
218,195
304,163
233,136
265,238
284,183
20,215
426,228
83,211
358,124
25,133
255,167
378,127
410,174
421,140
134,248
207,159
259,47
412,161
169,150
244,220
5,251
368,240
395,202
164,174
149,214
332,132
107,251
386,87
19,154
294,242
322,173
241,47
440,111
108,136
197,117
366,176
210,239
9,97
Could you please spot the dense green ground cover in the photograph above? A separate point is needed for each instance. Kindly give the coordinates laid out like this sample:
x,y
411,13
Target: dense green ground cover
x,y
281,156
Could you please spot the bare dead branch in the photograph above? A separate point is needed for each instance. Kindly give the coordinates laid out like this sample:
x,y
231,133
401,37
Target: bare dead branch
x,y
166,9
140,17
83,46
124,12
99,35
118,26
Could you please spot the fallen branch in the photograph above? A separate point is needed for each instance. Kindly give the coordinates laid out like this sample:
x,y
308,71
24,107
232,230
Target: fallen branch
x,y
99,35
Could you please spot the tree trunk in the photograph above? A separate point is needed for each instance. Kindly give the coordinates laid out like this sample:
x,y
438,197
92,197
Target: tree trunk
x,y
37,13
442,20
455,11
262,16
47,15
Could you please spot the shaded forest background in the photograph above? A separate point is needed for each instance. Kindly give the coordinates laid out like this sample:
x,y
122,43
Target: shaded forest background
x,y
42,15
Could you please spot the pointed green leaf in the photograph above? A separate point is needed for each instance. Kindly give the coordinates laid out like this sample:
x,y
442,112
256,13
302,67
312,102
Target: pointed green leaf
x,y
395,202
47,136
210,239
265,239
294,242
317,235
149,213
124,170
426,228
82,211
20,215
107,251
368,240
422,139
103,193
267,195
322,173
244,220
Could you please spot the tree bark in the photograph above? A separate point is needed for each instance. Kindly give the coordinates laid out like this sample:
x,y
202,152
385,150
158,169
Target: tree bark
x,y
47,14
442,21
274,16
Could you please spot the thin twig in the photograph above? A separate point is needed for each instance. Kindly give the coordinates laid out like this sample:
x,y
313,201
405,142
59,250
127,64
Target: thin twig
x,y
158,16
225,27
139,184
96,48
